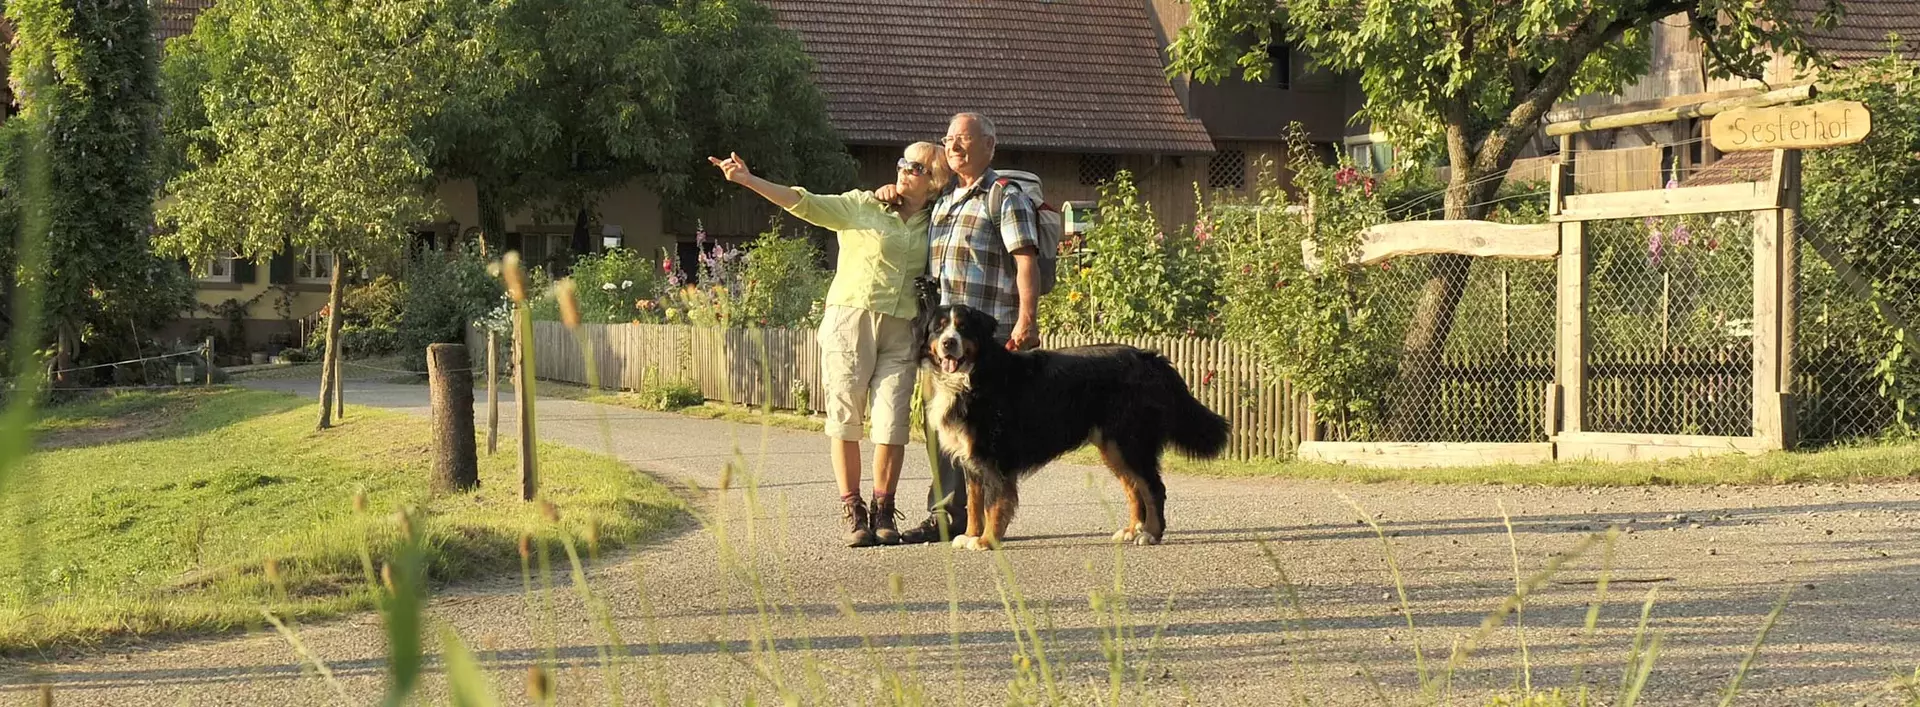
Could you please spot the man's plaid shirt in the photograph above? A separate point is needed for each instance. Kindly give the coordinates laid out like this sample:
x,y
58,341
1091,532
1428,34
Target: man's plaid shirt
x,y
972,258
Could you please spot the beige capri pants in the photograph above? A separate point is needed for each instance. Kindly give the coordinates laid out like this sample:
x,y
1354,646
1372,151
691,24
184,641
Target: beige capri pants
x,y
867,356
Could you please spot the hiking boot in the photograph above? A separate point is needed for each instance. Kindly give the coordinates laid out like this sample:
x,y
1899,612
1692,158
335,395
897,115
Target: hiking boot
x,y
858,532
928,531
883,516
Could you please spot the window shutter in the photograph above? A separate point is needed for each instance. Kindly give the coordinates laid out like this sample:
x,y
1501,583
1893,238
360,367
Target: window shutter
x,y
244,271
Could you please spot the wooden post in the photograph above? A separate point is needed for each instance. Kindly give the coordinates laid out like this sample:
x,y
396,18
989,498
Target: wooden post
x,y
523,399
1772,313
450,397
1570,369
340,383
209,360
1787,165
493,393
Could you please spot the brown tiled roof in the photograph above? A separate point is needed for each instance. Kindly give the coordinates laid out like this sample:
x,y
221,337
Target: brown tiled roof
x,y
176,16
1068,75
1735,168
1863,29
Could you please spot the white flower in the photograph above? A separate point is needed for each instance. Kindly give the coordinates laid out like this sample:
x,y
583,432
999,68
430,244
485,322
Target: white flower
x,y
624,284
608,287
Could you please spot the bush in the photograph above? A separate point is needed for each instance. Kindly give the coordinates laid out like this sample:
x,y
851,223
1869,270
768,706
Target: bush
x,y
1128,277
776,281
1859,211
370,320
1316,327
618,286
445,292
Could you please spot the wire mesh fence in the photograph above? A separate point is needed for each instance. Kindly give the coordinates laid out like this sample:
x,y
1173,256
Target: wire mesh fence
x,y
1670,325
1476,354
1857,300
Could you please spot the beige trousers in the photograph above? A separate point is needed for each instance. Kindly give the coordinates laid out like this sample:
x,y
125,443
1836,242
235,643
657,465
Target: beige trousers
x,y
867,357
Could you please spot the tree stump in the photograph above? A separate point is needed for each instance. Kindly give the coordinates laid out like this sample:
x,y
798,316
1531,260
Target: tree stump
x,y
456,466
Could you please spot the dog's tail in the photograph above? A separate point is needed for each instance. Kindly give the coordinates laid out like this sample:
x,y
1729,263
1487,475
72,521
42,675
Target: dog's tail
x,y
1197,431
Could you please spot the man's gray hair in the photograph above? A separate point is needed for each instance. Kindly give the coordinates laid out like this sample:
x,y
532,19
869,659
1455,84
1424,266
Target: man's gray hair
x,y
986,124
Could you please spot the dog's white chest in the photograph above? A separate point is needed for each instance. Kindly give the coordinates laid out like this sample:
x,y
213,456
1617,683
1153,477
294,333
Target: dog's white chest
x,y
948,410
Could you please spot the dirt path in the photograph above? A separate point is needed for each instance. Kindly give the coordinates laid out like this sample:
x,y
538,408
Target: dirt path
x,y
1718,558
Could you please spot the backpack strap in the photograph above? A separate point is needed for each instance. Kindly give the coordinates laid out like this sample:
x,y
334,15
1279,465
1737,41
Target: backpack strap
x,y
994,196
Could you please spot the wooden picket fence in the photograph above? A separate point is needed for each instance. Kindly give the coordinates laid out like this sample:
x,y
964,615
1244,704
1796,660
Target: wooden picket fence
x,y
782,366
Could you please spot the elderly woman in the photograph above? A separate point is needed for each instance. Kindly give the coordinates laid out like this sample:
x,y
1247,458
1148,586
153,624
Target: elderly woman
x,y
866,335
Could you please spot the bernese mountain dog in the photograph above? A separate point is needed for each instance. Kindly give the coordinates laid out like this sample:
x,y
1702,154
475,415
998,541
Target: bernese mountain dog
x,y
1003,415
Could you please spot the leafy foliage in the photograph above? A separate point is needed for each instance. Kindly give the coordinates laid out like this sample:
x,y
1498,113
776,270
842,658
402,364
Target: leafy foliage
x,y
1128,277
1471,80
312,123
1859,212
594,94
90,88
444,293
618,286
776,281
1315,326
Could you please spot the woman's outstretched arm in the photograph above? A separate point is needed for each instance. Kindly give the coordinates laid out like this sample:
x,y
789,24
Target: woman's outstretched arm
x,y
737,172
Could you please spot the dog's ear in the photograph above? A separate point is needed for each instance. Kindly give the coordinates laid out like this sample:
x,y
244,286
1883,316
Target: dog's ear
x,y
982,323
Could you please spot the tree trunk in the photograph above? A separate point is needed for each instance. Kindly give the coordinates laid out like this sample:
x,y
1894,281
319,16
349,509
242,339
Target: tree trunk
x,y
330,360
493,220
1427,332
456,466
63,355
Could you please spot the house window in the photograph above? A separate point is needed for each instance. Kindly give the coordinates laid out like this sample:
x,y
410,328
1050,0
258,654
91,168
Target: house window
x,y
1370,154
1280,57
1098,169
314,266
1227,170
218,269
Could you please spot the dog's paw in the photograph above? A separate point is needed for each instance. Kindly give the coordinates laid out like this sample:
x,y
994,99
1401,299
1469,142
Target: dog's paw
x,y
962,542
1126,535
978,544
1145,539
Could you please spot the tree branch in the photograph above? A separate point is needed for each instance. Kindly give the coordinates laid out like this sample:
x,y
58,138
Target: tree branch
x,y
1587,36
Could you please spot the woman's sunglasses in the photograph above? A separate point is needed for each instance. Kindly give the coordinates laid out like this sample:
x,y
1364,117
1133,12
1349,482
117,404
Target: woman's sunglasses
x,y
914,168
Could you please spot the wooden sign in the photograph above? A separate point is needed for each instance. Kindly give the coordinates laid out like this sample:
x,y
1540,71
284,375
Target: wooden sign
x,y
1828,124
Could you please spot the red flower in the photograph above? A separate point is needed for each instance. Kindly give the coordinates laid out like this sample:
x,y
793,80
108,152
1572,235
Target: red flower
x,y
1206,378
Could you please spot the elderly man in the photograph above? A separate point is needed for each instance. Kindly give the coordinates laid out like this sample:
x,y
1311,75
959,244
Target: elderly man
x,y
986,263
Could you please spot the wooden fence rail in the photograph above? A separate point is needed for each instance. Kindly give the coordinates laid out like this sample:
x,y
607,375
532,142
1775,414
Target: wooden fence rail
x,y
782,366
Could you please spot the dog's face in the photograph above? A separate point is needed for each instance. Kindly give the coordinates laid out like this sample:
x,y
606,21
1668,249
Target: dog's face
x,y
956,335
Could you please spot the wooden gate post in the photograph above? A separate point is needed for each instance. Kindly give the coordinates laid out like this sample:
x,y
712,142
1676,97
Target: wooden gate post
x,y
493,392
450,396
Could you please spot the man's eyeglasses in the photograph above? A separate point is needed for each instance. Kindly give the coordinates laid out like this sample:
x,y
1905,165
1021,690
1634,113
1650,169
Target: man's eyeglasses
x,y
950,140
917,169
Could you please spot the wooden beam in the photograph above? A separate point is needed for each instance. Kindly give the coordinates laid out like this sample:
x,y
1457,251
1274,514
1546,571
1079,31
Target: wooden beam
x,y
1745,196
1615,447
1563,115
1482,239
1766,326
1426,454
1570,331
1694,110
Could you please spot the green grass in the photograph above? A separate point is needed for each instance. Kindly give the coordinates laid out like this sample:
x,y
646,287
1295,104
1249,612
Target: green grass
x,y
1842,465
1895,461
171,529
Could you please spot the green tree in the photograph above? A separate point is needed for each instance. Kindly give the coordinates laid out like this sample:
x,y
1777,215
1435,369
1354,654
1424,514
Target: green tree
x,y
602,93
1475,77
1861,221
97,107
313,132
